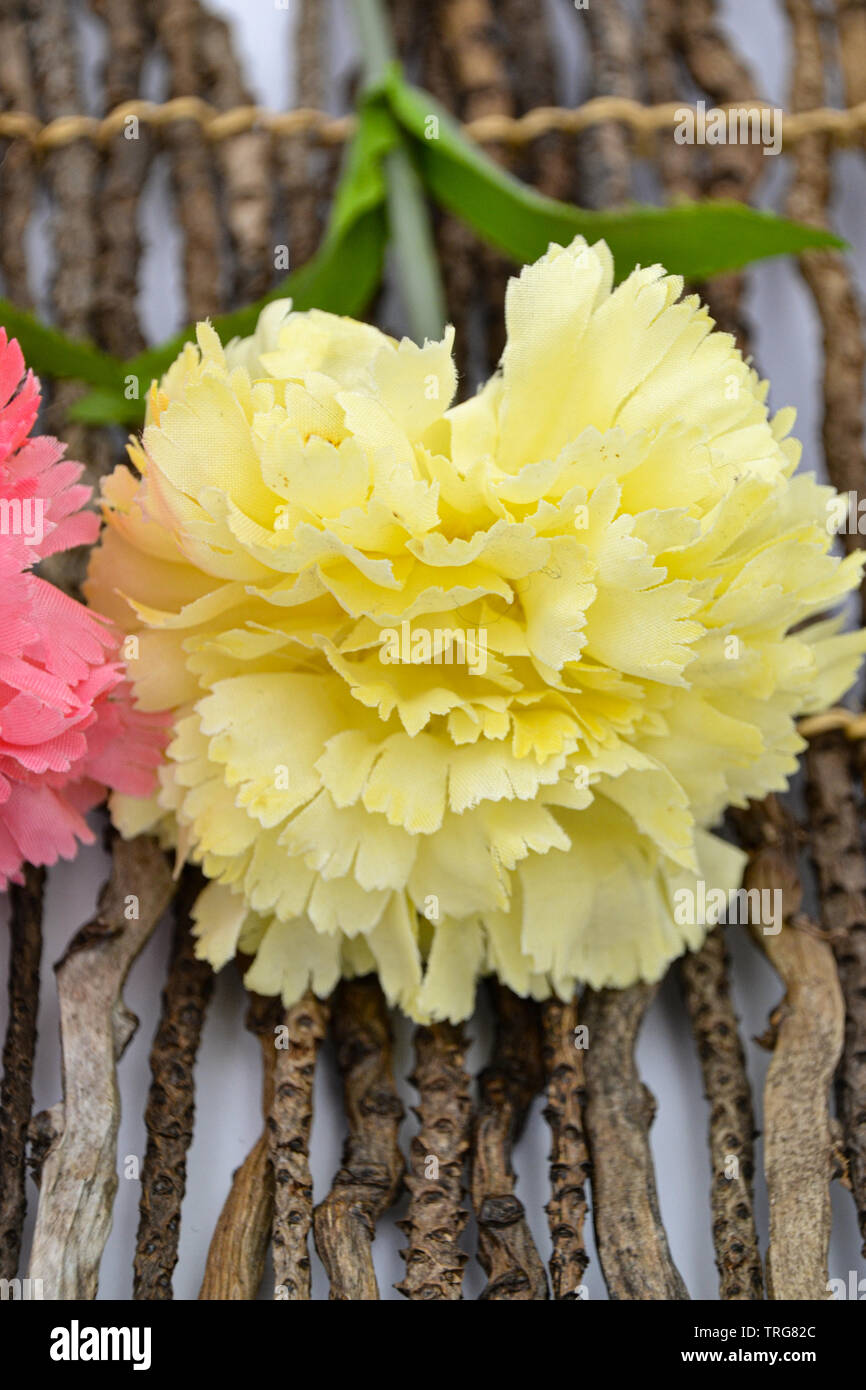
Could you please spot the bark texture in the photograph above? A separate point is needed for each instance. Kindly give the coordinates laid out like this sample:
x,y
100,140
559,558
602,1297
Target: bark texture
x,y
239,1245
435,1177
178,26
631,1240
506,1089
569,1156
79,1172
289,1124
801,1151
838,852
371,1175
19,1050
732,1122
170,1110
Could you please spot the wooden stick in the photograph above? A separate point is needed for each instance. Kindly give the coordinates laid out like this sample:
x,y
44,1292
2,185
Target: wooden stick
x,y
661,34
733,170
371,1174
79,1174
245,166
170,1107
72,175
606,151
800,1146
178,24
707,991
303,170
289,1124
239,1245
827,275
838,852
126,167
19,1050
435,1178
569,1156
506,1089
631,1240
18,165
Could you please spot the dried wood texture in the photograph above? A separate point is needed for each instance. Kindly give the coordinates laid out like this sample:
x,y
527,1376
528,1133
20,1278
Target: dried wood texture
x,y
660,39
569,1156
434,1260
834,833
304,170
475,56
851,26
529,43
79,1174
19,1049
127,160
732,1123
17,164
606,151
289,1124
838,852
71,171
631,1241
239,1245
178,27
827,276
245,165
800,1152
71,174
734,169
506,1089
170,1107
371,1174
453,239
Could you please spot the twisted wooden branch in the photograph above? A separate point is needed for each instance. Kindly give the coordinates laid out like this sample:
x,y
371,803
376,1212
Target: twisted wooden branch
x,y
19,1049
245,166
569,1156
304,166
506,1089
177,25
838,852
170,1107
239,1245
436,1218
707,993
79,1175
800,1145
631,1240
606,150
289,1123
371,1174
18,165
126,166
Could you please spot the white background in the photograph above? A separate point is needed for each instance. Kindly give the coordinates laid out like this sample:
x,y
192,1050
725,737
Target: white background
x,y
228,1116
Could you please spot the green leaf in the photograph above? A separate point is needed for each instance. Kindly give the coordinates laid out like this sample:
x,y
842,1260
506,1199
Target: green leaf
x,y
695,240
342,277
49,351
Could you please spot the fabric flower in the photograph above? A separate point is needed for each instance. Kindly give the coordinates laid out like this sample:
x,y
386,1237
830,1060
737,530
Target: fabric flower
x,y
67,725
463,690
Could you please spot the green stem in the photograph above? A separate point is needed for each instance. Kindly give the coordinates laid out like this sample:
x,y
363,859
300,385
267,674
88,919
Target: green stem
x,y
417,264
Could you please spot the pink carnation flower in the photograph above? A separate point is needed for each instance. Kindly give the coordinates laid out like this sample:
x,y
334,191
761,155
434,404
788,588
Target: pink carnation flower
x,y
68,728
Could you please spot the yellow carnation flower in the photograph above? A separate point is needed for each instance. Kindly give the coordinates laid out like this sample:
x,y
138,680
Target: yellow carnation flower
x,y
463,690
